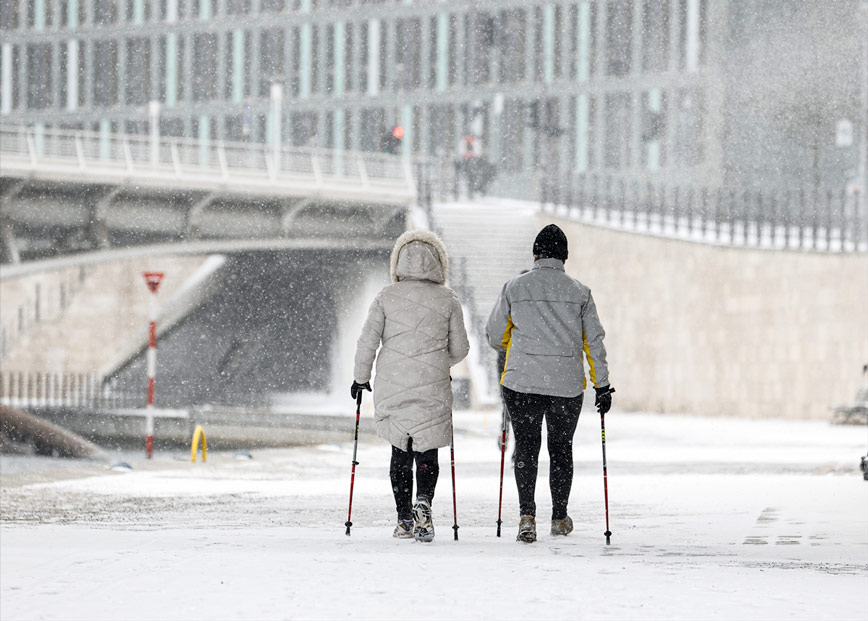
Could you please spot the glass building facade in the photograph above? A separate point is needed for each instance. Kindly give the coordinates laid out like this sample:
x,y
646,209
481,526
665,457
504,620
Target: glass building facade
x,y
634,87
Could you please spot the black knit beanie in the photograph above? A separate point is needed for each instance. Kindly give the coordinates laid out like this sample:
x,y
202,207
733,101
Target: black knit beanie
x,y
551,243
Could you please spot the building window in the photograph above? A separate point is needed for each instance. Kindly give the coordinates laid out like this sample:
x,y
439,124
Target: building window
x,y
692,33
171,127
316,60
348,130
618,130
655,36
170,10
384,55
39,76
328,61
619,40
273,6
9,19
513,128
204,71
453,44
538,45
173,46
561,66
65,5
372,129
105,69
295,69
204,9
237,7
43,19
271,54
408,54
431,62
105,11
350,58
653,129
132,5
138,71
328,140
512,48
485,40
303,128
687,137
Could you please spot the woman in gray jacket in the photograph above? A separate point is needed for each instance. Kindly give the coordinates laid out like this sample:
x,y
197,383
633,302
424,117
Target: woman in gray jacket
x,y
417,324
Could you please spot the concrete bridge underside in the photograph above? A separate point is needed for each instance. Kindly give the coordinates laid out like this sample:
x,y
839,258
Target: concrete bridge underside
x,y
42,218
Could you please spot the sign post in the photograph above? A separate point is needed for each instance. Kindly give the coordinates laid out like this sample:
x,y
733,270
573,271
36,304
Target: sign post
x,y
153,280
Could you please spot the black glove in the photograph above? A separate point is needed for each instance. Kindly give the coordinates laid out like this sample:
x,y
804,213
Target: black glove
x,y
604,399
356,388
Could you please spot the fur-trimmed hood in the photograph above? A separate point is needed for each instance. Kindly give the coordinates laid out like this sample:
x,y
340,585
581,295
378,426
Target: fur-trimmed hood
x,y
424,259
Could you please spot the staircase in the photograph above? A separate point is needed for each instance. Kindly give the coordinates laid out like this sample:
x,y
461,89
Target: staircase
x,y
489,240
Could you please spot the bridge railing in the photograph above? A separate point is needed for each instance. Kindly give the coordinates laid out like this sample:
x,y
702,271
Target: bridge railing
x,y
64,389
824,219
180,156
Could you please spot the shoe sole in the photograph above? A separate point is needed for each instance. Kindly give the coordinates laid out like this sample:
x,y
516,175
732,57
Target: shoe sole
x,y
526,538
427,538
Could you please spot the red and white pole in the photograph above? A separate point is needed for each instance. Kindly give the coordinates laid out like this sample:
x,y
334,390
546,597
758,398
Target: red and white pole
x,y
153,280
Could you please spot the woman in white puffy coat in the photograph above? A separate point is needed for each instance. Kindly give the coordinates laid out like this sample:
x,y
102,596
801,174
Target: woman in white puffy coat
x,y
417,325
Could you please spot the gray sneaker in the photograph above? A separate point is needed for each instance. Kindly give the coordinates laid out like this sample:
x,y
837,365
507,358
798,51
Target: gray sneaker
x,y
404,530
527,529
562,527
424,529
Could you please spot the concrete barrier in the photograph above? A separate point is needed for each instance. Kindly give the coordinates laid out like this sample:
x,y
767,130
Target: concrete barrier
x,y
699,328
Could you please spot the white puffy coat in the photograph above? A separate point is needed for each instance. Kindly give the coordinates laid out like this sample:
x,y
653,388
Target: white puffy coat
x,y
419,323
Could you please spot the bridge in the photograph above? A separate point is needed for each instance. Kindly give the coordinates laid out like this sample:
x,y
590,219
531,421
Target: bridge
x,y
273,254
65,191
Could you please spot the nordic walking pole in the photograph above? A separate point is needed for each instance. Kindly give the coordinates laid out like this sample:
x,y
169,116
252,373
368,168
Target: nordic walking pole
x,y
502,458
355,463
454,502
605,477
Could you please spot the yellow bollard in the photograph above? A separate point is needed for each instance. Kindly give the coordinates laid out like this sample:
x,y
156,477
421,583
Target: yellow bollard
x,y
199,433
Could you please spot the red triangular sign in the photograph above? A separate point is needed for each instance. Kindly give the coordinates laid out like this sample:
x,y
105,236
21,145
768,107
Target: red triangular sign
x,y
153,279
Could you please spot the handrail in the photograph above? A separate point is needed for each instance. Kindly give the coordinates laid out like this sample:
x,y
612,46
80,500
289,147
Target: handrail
x,y
184,155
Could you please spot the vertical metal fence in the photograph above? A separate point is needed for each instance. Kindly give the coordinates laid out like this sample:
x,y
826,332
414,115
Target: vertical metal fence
x,y
33,389
822,219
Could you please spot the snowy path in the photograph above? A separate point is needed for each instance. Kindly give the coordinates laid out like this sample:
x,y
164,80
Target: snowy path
x,y
711,519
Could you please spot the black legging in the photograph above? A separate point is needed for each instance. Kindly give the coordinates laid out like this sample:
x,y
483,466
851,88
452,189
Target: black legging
x,y
401,474
526,411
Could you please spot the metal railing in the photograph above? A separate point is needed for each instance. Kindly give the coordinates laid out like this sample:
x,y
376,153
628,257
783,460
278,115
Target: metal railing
x,y
221,160
828,220
66,390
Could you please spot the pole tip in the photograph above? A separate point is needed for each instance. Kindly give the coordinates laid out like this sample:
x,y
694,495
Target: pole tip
x,y
608,537
348,524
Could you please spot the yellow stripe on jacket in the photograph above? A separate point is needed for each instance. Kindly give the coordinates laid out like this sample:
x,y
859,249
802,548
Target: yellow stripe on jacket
x,y
507,343
592,371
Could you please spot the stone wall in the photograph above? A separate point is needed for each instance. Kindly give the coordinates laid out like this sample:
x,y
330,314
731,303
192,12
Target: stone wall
x,y
704,329
85,313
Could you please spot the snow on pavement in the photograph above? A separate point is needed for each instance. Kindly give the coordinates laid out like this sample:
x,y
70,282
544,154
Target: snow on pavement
x,y
712,518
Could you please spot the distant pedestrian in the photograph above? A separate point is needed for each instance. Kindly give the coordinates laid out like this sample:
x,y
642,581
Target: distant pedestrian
x,y
417,325
544,320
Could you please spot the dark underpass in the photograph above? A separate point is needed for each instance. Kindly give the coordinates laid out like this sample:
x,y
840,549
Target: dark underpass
x,y
269,330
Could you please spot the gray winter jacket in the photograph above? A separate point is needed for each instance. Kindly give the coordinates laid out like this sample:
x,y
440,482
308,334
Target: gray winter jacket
x,y
420,325
544,320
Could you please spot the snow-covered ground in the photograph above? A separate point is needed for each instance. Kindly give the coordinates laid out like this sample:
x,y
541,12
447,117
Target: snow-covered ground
x,y
711,519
